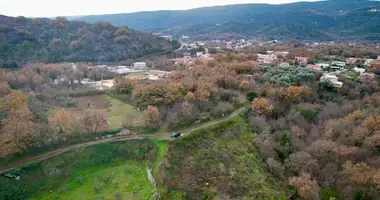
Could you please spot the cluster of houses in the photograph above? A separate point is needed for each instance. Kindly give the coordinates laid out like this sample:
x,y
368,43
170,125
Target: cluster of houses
x,y
271,57
189,58
333,69
235,44
137,66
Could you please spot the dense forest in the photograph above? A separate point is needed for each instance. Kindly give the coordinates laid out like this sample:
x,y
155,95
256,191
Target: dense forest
x,y
321,20
25,40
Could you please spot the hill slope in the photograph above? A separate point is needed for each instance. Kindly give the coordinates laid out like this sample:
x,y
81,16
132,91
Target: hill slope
x,y
219,162
24,40
310,18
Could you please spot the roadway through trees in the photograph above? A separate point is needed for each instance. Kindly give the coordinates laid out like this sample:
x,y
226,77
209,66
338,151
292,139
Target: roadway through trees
x,y
51,154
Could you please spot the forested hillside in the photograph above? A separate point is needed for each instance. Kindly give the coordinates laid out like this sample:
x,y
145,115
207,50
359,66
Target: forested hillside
x,y
24,40
302,20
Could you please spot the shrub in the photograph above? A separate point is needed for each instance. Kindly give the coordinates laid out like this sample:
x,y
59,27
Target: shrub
x,y
97,187
328,194
80,180
251,95
98,197
309,114
118,196
106,179
116,184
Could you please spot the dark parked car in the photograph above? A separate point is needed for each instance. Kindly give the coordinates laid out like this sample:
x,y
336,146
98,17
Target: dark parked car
x,y
175,135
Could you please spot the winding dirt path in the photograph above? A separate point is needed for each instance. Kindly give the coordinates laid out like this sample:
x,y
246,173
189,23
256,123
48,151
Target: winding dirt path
x,y
51,154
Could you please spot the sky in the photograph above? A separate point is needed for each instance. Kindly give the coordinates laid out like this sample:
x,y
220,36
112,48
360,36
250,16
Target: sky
x,y
52,8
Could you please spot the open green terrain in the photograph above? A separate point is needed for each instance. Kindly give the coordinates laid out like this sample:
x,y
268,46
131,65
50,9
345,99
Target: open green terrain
x,y
118,111
211,163
218,162
114,109
109,171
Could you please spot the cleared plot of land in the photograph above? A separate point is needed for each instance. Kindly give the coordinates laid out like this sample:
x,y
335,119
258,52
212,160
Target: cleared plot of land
x,y
129,180
114,109
105,170
97,102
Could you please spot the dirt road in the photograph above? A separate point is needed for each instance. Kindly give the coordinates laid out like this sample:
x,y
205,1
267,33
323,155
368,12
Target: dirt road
x,y
113,139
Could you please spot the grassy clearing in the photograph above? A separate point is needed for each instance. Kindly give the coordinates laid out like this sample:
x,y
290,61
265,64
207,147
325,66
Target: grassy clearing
x,y
162,148
58,177
129,179
218,161
118,111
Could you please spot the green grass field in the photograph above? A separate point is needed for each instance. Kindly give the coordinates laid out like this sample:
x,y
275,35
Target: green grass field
x,y
129,180
118,111
118,167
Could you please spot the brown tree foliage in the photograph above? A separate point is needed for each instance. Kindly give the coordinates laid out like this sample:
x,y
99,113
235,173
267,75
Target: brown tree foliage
x,y
92,120
18,132
262,106
151,117
372,123
15,101
190,96
244,85
307,187
359,173
62,123
295,93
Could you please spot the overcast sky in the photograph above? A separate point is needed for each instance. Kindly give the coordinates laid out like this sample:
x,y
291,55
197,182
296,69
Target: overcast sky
x,y
51,8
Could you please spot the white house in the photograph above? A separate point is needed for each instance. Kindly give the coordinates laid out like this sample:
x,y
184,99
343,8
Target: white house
x,y
332,79
191,46
139,65
359,70
367,62
267,59
338,64
323,65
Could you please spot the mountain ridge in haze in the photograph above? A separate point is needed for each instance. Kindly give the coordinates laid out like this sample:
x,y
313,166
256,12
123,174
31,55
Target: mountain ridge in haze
x,y
322,20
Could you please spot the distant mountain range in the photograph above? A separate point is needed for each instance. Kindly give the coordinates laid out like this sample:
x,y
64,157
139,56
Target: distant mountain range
x,y
324,20
25,40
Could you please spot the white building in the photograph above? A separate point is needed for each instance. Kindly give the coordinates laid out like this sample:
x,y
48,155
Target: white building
x,y
323,65
139,65
359,70
332,79
368,61
191,46
337,65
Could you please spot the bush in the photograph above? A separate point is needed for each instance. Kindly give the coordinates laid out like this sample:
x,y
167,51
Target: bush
x,y
327,194
106,179
63,188
98,197
308,114
116,184
251,95
118,196
97,187
80,180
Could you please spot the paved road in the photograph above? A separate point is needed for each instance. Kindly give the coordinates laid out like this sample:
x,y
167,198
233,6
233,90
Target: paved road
x,y
113,139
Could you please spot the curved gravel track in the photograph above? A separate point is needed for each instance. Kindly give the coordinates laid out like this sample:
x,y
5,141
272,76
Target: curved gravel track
x,y
53,153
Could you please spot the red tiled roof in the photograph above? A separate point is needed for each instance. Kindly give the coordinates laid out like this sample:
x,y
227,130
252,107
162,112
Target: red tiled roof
x,y
311,66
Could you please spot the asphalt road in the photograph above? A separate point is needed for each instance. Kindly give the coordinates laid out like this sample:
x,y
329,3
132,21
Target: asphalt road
x,y
51,154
